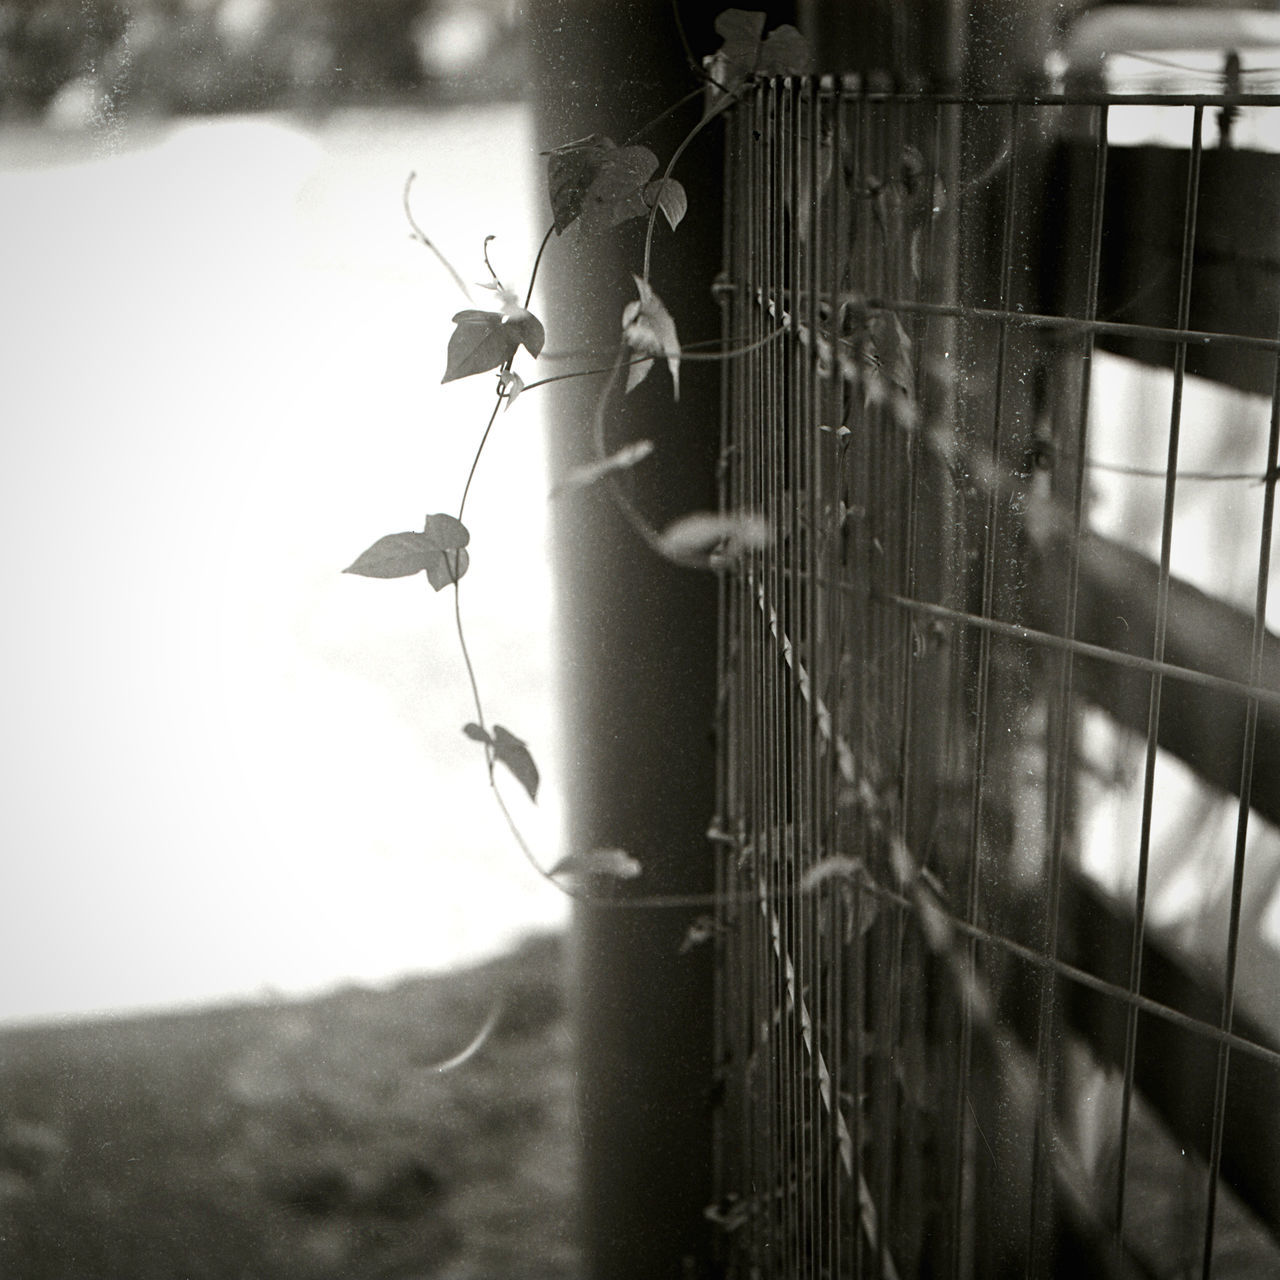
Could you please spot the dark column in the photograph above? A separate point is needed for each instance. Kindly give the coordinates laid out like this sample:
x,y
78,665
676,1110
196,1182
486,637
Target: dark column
x,y
637,644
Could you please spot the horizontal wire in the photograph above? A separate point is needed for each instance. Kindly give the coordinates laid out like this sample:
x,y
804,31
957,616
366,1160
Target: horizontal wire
x,y
1079,648
1159,473
850,88
1063,969
1073,325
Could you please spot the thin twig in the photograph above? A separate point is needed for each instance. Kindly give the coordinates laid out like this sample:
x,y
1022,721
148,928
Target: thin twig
x,y
475,462
423,239
718,109
537,262
689,351
485,252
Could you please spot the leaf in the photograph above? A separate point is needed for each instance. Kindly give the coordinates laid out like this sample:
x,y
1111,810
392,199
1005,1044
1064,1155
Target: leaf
x,y
508,297
734,62
704,532
837,866
480,342
590,472
670,197
744,54
571,170
887,351
510,385
703,929
862,910
486,340
785,52
527,329
647,327
598,181
510,751
437,551
617,863
904,204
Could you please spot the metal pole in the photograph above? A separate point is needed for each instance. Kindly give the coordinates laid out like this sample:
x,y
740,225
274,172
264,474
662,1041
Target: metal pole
x,y
636,643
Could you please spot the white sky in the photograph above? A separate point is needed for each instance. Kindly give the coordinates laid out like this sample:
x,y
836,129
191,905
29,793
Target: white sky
x,y
228,768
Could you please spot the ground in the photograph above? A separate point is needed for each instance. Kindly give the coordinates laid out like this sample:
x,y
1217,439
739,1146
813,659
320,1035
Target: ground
x,y
302,1140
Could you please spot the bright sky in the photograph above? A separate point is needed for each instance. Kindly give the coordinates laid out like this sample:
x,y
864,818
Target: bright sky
x,y
228,768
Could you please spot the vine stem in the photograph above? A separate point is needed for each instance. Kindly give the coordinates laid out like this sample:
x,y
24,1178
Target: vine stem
x,y
718,109
475,462
658,119
644,530
687,353
424,239
537,262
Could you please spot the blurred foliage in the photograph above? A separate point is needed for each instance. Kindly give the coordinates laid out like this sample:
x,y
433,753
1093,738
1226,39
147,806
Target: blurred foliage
x,y
98,58
301,1141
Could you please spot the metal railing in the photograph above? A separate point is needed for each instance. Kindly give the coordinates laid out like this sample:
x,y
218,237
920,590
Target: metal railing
x,y
981,680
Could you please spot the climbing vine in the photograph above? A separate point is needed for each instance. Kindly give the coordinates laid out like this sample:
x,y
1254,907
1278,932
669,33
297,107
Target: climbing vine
x,y
594,184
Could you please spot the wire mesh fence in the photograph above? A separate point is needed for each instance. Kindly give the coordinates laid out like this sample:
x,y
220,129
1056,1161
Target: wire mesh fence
x,y
1000,709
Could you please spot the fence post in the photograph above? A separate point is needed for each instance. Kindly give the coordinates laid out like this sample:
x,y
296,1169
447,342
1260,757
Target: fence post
x,y
636,640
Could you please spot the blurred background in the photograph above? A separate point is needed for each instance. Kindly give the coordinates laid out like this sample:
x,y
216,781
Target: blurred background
x,y
230,770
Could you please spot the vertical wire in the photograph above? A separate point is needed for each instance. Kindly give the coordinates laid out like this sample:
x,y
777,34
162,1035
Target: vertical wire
x,y
770,1012
745,833
883,1103
724,727
965,1043
863,675
908,446
839,1010
777,693
767,835
788,908
1060,748
1217,1137
806,429
990,558
880,1101
761,1031
898,639
823,513
739,933
801,836
1161,623
1059,753
808,218
762,1064
749,856
761,784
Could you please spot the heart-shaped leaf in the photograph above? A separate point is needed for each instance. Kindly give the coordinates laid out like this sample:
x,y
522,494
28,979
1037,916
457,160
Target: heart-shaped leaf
x,y
647,328
599,182
740,31
527,329
670,197
785,52
480,342
703,532
437,551
510,751
747,52
571,170
486,340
